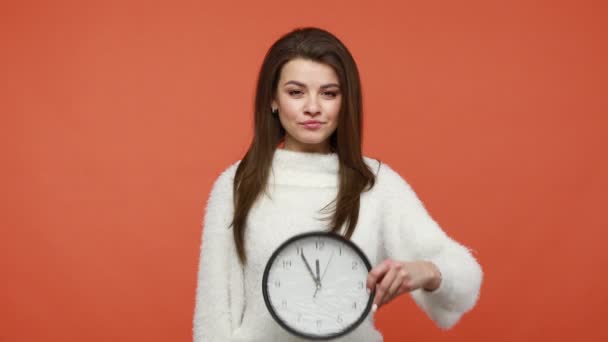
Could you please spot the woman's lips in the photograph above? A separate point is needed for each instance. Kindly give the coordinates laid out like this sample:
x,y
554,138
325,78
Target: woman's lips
x,y
312,125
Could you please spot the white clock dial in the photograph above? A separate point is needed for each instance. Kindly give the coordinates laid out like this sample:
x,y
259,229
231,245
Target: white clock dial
x,y
314,285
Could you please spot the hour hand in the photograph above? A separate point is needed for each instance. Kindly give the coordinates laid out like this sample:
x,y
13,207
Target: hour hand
x,y
309,269
318,273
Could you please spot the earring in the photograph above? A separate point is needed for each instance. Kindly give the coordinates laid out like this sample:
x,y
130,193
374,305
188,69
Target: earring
x,y
275,111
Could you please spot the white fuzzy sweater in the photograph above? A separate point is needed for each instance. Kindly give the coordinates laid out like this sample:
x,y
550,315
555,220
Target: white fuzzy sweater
x,y
393,223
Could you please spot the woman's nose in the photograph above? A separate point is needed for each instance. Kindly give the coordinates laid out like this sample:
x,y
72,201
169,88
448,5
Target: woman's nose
x,y
312,106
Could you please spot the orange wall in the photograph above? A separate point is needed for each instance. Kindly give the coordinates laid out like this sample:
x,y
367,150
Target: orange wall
x,y
117,117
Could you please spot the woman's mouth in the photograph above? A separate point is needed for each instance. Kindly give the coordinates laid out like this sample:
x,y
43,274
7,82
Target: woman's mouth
x,y
312,125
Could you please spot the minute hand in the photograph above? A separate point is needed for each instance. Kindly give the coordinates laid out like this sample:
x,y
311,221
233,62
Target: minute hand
x,y
309,269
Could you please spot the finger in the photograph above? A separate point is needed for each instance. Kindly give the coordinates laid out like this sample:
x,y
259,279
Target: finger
x,y
391,287
405,287
394,288
376,274
382,288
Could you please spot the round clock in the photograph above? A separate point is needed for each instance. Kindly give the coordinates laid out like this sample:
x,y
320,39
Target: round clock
x,y
314,285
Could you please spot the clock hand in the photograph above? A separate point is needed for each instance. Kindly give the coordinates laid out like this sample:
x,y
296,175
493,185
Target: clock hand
x,y
309,269
326,266
318,279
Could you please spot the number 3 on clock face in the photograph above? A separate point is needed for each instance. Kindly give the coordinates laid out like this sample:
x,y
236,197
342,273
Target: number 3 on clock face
x,y
314,285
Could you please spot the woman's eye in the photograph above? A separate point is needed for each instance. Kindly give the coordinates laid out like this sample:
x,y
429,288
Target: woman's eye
x,y
331,94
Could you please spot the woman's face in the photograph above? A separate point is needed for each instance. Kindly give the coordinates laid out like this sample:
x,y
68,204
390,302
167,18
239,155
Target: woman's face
x,y
308,91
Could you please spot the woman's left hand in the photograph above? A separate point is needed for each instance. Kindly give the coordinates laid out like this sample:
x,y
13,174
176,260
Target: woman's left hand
x,y
391,278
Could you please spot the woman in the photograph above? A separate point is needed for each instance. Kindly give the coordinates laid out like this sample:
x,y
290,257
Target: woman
x,y
305,159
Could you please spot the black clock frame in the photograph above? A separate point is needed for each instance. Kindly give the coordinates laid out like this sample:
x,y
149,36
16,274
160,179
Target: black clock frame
x,y
284,245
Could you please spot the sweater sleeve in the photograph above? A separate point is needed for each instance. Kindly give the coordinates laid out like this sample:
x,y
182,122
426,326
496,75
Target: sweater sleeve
x,y
410,234
213,319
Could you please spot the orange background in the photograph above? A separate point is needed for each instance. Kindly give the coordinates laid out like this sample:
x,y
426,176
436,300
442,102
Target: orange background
x,y
117,116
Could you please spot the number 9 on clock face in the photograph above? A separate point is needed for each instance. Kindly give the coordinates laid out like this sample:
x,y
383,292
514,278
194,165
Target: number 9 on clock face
x,y
314,285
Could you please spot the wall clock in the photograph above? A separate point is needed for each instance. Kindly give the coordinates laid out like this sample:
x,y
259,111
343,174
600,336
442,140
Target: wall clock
x,y
314,285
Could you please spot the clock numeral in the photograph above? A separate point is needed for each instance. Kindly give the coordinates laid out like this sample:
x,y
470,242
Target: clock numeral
x,y
319,323
355,264
340,250
319,244
277,283
286,264
299,250
360,285
284,304
339,319
354,305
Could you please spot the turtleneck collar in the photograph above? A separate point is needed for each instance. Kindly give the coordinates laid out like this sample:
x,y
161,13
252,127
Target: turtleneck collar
x,y
304,168
306,161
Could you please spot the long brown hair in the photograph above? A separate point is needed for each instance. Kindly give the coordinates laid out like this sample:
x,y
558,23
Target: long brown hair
x,y
252,172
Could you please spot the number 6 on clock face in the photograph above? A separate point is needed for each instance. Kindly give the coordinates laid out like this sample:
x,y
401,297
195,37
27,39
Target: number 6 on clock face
x,y
314,285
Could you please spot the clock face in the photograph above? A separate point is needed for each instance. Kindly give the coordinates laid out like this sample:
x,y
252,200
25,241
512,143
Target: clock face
x,y
314,285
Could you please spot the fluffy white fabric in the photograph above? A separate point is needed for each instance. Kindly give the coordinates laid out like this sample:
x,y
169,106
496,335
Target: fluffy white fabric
x,y
393,223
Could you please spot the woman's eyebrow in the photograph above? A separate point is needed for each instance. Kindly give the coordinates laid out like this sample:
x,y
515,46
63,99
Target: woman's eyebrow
x,y
300,84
